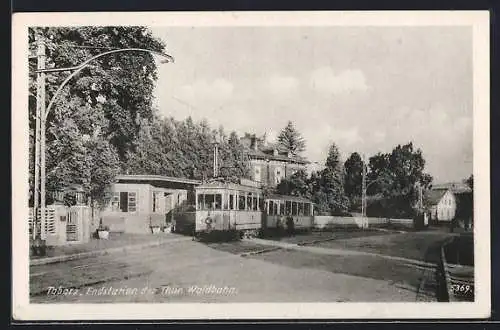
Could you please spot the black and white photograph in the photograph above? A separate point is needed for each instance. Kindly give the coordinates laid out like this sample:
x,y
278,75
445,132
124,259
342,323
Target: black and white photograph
x,y
190,165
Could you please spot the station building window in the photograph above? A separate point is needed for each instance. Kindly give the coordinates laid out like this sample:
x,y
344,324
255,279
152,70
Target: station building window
x,y
124,201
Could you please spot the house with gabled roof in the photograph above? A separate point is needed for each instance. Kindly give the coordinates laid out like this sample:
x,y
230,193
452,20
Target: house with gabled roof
x,y
441,205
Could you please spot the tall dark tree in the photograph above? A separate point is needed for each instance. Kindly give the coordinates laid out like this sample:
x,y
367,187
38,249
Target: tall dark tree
x,y
329,194
234,161
353,178
290,139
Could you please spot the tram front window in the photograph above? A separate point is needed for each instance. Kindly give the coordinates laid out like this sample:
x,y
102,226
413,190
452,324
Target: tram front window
x,y
218,201
209,201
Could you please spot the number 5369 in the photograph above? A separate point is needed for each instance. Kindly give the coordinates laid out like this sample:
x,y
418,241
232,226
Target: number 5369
x,y
461,288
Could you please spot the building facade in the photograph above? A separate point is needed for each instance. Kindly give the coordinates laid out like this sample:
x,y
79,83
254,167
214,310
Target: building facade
x,y
269,162
442,205
138,202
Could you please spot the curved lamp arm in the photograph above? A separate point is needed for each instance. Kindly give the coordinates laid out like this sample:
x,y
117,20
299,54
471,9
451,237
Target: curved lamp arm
x,y
80,67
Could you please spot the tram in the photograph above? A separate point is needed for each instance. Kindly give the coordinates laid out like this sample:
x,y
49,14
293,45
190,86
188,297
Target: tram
x,y
287,212
224,207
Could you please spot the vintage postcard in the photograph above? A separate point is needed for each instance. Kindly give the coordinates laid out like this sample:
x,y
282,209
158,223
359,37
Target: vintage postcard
x,y
251,165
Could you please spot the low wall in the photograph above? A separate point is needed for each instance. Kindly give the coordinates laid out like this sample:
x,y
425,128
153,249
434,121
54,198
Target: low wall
x,y
125,222
63,225
326,222
408,223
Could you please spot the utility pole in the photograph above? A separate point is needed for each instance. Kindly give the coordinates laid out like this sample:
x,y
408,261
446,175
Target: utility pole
x,y
363,189
41,85
216,160
39,191
420,198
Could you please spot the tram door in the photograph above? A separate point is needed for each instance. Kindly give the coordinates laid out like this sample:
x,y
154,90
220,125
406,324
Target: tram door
x,y
231,213
226,220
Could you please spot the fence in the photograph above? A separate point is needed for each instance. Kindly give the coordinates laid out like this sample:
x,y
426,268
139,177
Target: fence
x,y
330,222
62,225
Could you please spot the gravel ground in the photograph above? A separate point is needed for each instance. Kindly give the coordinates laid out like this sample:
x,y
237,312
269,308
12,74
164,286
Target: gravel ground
x,y
179,271
244,280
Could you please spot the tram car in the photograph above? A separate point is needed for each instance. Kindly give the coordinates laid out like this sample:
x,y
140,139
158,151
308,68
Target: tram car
x,y
223,207
240,210
288,213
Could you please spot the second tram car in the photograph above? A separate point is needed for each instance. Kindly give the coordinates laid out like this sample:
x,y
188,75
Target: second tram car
x,y
287,212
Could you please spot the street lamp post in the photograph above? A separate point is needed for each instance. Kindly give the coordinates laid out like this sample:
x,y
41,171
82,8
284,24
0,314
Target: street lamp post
x,y
42,112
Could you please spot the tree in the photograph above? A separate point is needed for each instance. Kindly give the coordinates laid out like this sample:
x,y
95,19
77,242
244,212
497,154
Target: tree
x,y
117,88
397,175
470,182
80,153
290,139
234,161
328,190
353,178
298,184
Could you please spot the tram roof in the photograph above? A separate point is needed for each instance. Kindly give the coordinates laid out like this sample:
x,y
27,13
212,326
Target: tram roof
x,y
228,185
289,198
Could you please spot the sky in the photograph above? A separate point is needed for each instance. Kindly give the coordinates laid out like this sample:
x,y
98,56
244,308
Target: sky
x,y
367,89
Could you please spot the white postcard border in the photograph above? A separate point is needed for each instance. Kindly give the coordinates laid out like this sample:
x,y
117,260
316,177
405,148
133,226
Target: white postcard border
x,y
23,310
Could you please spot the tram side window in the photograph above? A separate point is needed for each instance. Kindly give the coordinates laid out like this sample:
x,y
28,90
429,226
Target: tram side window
x,y
294,208
249,202
231,202
307,209
262,204
288,208
254,203
271,207
241,202
282,208
275,209
300,208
